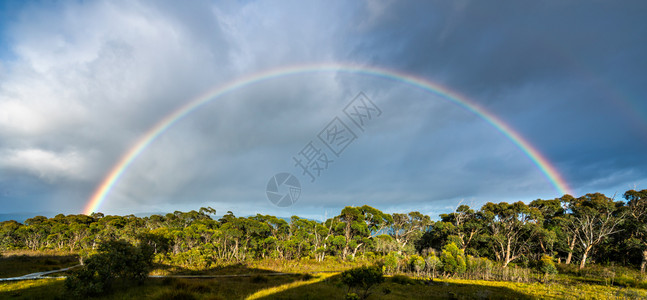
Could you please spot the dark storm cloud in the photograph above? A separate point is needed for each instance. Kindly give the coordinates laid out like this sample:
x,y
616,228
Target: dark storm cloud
x,y
562,73
85,81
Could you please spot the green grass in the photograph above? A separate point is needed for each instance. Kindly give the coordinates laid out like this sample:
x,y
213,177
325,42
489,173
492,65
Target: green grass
x,y
155,288
327,286
619,283
560,290
32,289
23,262
267,265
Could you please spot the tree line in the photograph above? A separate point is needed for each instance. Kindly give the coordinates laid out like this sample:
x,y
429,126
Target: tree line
x,y
590,228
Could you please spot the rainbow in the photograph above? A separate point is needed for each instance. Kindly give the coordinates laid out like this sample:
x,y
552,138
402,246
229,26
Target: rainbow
x,y
99,195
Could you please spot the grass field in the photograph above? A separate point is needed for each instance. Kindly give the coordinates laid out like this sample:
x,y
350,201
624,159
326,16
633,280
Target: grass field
x,y
22,262
326,286
262,285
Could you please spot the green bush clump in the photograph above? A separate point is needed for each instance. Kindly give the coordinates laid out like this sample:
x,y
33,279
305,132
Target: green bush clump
x,y
362,279
417,263
453,259
391,262
351,296
115,262
547,265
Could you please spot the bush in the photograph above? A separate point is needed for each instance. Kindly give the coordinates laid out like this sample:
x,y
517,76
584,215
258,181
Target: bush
x,y
547,265
453,259
391,262
433,264
115,261
362,278
351,296
417,263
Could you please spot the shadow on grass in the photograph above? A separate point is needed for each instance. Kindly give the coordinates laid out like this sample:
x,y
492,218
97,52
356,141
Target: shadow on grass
x,y
333,288
19,265
232,269
238,287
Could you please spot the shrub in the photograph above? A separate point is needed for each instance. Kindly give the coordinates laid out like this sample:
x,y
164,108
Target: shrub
x,y
391,262
433,264
115,260
351,296
362,278
417,263
547,265
453,259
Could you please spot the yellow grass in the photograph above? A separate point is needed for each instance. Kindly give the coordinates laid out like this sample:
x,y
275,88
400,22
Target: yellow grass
x,y
288,286
561,291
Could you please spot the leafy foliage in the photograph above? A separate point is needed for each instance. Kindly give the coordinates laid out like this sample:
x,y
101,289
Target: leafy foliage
x,y
362,279
453,259
115,261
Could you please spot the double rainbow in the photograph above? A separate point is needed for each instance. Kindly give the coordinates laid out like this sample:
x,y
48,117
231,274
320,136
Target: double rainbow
x,y
146,139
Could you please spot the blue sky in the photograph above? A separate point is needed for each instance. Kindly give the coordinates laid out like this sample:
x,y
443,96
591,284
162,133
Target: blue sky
x,y
82,81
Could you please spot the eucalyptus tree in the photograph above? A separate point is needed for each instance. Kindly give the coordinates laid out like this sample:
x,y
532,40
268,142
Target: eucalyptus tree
x,y
551,211
568,232
637,219
462,226
35,232
510,228
9,235
354,229
595,218
408,227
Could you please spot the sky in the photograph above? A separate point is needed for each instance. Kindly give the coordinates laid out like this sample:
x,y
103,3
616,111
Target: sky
x,y
454,102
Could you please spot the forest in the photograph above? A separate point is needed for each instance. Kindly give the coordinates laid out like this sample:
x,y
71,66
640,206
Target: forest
x,y
499,241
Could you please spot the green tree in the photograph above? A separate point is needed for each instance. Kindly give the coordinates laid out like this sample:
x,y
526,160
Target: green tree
x,y
354,228
433,263
595,217
463,226
551,211
637,223
511,227
407,228
391,262
417,263
453,259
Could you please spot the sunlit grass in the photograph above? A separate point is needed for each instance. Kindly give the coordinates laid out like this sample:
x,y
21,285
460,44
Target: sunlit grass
x,y
560,290
329,286
32,289
22,262
288,286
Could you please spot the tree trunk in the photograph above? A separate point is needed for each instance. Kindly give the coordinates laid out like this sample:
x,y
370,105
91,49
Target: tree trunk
x,y
355,251
586,253
507,255
643,264
543,249
570,251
